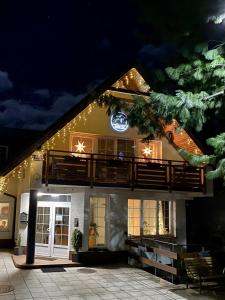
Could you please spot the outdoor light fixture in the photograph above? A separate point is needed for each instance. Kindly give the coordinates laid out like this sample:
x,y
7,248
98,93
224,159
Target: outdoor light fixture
x,y
119,122
39,194
147,151
80,146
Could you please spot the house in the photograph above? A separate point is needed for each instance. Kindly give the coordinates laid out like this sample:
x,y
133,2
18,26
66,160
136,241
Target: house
x,y
93,172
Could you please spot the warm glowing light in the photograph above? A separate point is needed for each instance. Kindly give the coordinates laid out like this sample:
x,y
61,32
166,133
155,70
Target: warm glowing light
x,y
147,151
3,184
80,147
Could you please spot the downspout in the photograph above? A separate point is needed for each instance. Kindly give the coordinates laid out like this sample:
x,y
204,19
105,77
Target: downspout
x,y
14,214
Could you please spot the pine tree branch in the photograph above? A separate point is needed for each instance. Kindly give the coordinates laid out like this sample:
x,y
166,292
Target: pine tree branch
x,y
214,95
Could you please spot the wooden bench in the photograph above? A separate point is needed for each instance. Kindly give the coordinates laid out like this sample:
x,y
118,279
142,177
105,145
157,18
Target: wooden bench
x,y
203,269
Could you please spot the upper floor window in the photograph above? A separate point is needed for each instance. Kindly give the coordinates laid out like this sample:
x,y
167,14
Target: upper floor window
x,y
120,147
150,150
81,144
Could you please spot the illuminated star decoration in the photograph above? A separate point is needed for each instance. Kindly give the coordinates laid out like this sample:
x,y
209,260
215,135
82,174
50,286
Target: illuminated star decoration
x,y
147,151
80,147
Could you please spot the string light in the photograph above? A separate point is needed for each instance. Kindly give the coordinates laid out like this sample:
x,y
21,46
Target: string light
x,y
182,139
3,184
132,79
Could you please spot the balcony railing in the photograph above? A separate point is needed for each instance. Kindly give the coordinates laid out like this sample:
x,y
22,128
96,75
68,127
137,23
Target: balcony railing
x,y
88,169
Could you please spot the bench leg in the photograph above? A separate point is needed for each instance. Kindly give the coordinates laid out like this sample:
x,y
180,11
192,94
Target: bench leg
x,y
187,283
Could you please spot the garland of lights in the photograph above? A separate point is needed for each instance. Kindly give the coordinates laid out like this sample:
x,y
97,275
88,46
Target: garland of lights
x,y
131,77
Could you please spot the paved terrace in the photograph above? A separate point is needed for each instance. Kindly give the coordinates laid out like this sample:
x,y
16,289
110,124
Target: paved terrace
x,y
99,283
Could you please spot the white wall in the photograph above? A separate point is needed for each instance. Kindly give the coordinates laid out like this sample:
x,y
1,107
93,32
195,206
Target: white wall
x,y
117,222
77,211
24,207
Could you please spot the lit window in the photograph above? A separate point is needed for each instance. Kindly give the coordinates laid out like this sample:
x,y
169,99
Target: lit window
x,y
150,150
125,147
150,217
4,216
97,222
134,216
81,144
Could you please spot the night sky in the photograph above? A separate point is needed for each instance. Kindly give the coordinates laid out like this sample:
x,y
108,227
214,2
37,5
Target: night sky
x,y
53,52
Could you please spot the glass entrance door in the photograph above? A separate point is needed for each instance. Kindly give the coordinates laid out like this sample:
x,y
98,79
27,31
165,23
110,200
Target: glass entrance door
x,y
52,229
97,232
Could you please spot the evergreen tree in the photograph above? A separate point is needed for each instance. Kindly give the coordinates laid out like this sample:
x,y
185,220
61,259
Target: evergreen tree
x,y
192,92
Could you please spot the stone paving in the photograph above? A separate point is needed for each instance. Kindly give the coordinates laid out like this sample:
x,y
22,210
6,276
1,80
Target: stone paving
x,y
102,283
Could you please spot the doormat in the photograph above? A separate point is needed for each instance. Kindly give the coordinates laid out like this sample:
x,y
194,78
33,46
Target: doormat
x,y
6,289
53,269
46,258
86,270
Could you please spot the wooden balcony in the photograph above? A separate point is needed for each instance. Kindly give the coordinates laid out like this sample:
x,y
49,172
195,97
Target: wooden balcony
x,y
67,168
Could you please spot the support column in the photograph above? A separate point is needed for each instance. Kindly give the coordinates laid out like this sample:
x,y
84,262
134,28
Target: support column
x,y
31,230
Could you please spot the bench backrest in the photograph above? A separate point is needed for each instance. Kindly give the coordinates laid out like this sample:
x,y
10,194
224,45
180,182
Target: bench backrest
x,y
201,266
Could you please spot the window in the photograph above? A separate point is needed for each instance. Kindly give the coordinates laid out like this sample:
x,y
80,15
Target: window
x,y
151,149
134,216
125,147
81,144
106,146
42,225
61,226
121,147
97,222
150,217
4,216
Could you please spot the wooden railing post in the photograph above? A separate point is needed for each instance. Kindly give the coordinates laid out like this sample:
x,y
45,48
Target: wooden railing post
x,y
170,175
46,167
92,170
203,178
132,173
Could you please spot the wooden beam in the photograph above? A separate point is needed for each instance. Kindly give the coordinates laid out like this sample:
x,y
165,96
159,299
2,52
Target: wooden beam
x,y
158,265
130,92
166,253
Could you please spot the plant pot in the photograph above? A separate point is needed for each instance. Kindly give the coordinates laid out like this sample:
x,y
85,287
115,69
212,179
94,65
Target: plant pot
x,y
76,257
18,250
99,257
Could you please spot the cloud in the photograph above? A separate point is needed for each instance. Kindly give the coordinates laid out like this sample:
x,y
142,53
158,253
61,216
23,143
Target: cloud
x,y
45,93
15,113
5,82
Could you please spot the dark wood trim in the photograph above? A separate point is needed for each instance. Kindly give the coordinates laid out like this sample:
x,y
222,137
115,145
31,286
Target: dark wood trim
x,y
129,92
167,253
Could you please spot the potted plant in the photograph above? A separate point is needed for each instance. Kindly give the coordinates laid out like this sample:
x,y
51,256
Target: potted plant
x,y
76,241
18,249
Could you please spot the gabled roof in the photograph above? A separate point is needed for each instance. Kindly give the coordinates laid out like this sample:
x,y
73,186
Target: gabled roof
x,y
68,116
112,83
